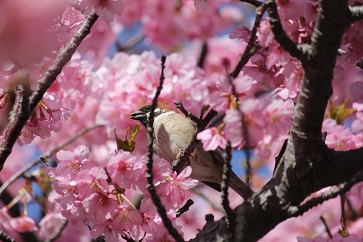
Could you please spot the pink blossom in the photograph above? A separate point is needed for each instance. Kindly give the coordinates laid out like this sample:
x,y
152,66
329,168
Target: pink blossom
x,y
92,181
127,218
6,220
106,230
278,115
49,224
71,163
262,78
315,239
212,138
125,169
177,185
23,224
201,4
106,9
233,127
340,138
241,33
350,238
100,206
254,119
357,125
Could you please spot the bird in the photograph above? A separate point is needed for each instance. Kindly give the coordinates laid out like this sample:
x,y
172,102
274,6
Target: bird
x,y
173,132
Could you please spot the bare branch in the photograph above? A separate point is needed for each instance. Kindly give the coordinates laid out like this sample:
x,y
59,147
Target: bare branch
x,y
185,208
64,56
17,119
6,238
255,3
334,192
307,164
230,219
203,55
279,33
251,47
179,105
326,227
149,166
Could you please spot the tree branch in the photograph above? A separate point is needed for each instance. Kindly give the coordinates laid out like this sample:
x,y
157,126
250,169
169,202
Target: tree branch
x,y
203,55
251,47
307,165
356,13
6,238
28,106
334,192
17,119
253,2
230,219
149,166
280,36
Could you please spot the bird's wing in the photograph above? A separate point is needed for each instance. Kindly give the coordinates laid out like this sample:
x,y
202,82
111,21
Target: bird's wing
x,y
234,181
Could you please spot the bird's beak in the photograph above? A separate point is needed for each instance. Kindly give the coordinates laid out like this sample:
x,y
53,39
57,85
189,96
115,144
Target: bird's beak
x,y
138,115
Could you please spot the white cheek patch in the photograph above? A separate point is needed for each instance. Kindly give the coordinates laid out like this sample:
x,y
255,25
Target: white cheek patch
x,y
158,111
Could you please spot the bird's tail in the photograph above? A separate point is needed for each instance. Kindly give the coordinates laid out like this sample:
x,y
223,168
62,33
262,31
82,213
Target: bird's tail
x,y
239,186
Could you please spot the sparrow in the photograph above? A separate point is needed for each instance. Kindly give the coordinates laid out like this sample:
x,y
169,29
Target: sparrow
x,y
173,133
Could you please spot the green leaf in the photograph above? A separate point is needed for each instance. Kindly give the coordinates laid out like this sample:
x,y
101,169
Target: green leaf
x,y
340,113
129,143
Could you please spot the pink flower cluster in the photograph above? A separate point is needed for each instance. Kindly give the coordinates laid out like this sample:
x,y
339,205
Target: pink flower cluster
x,y
100,197
336,238
180,20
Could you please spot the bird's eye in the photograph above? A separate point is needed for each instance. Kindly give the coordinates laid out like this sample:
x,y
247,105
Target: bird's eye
x,y
148,108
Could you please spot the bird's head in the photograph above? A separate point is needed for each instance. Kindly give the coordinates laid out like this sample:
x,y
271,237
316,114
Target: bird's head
x,y
143,113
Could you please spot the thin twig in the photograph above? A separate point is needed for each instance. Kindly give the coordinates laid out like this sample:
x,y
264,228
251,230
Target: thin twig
x,y
280,35
352,210
250,50
20,172
326,227
185,208
251,47
179,105
149,166
253,2
342,208
279,156
295,211
6,238
230,218
203,55
63,57
244,133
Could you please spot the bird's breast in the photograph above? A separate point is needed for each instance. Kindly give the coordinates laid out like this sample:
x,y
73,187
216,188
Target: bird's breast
x,y
173,133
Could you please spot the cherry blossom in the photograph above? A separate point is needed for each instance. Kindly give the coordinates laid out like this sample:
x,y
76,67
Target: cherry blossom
x,y
102,191
106,9
23,224
212,139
